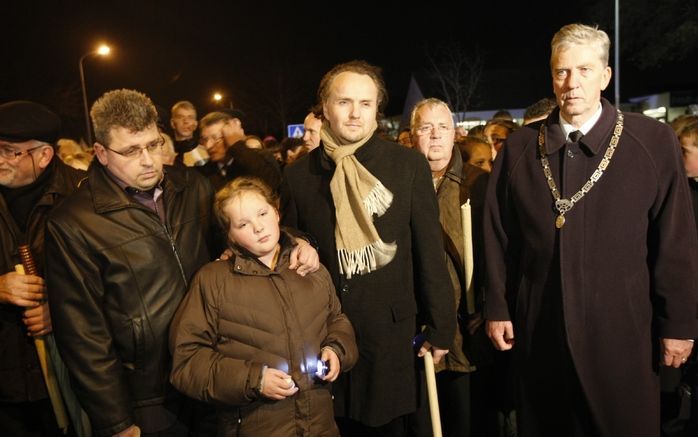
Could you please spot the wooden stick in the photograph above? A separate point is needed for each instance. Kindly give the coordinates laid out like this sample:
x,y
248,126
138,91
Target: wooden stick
x,y
432,394
47,370
467,224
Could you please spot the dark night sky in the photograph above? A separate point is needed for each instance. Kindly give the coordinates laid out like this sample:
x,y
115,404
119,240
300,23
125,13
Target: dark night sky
x,y
185,50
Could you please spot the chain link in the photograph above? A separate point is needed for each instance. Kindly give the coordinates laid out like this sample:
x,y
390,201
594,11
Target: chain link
x,y
564,205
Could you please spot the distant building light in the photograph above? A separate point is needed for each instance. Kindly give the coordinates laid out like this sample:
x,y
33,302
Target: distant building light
x,y
655,112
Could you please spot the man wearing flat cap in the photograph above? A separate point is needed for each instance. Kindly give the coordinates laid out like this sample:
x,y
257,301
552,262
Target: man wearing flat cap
x,y
32,182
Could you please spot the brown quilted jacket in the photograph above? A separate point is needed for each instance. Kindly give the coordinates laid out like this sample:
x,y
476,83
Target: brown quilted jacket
x,y
240,316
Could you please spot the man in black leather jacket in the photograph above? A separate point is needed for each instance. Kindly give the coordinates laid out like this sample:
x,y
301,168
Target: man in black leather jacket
x,y
120,254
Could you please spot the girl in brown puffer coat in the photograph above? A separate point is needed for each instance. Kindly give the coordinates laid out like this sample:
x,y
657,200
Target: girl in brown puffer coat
x,y
255,338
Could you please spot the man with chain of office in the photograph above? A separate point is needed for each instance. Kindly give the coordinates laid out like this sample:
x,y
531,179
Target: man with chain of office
x,y
590,251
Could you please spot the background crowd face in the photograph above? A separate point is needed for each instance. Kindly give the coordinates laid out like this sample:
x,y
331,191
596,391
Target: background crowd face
x,y
142,172
213,139
184,123
496,135
689,148
481,157
434,134
351,106
579,76
22,170
311,136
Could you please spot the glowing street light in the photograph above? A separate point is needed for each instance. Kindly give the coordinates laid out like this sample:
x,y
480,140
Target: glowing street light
x,y
217,97
102,50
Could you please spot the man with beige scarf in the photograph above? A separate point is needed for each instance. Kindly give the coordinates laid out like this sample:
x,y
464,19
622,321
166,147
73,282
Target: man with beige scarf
x,y
372,208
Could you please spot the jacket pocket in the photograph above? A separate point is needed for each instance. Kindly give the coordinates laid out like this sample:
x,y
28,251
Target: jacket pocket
x,y
402,310
399,337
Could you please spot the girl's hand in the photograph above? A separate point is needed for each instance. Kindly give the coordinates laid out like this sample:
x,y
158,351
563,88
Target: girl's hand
x,y
330,357
277,385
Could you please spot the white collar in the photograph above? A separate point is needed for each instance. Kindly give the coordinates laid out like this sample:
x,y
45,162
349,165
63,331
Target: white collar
x,y
567,128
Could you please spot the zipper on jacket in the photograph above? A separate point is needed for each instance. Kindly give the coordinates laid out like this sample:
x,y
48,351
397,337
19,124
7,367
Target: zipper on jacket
x,y
176,254
135,204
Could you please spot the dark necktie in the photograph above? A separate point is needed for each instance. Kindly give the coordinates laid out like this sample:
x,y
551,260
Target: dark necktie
x,y
575,136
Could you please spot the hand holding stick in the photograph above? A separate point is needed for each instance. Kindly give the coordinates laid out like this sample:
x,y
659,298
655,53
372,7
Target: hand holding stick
x,y
29,267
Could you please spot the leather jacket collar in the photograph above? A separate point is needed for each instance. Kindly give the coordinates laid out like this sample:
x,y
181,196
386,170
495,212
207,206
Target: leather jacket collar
x,y
108,196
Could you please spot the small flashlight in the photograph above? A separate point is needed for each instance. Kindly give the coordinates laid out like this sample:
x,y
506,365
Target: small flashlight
x,y
322,368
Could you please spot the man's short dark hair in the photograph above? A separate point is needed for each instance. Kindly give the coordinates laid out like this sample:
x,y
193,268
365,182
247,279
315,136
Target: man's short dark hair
x,y
502,114
124,108
541,108
221,116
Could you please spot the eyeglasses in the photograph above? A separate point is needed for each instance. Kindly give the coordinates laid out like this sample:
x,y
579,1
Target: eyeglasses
x,y
426,129
9,154
132,152
215,140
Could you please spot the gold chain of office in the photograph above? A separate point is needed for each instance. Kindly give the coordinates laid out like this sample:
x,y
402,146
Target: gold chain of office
x,y
562,205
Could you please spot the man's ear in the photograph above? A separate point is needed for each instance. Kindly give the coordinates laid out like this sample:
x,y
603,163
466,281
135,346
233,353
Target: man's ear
x,y
101,154
606,77
45,155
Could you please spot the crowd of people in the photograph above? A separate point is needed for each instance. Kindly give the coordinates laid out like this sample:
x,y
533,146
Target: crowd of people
x,y
190,279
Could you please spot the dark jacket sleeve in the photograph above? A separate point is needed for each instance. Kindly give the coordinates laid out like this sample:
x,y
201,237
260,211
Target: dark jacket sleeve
x,y
340,332
433,287
672,242
198,369
289,214
496,232
82,332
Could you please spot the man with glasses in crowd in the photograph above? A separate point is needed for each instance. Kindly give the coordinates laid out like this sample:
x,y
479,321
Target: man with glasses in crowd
x,y
223,136
32,182
120,254
455,183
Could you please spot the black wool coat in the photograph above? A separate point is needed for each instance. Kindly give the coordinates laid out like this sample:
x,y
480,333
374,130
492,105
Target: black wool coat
x,y
382,305
621,273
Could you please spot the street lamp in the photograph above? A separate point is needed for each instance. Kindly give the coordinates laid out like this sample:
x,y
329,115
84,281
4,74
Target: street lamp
x,y
217,97
102,50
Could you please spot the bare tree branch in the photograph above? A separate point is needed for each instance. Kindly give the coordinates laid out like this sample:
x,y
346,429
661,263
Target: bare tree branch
x,y
457,73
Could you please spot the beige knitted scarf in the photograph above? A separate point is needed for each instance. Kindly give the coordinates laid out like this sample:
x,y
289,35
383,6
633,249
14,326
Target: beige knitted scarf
x,y
357,195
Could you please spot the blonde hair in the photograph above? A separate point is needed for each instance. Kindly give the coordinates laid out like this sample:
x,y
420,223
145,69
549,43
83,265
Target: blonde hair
x,y
236,188
581,34
182,104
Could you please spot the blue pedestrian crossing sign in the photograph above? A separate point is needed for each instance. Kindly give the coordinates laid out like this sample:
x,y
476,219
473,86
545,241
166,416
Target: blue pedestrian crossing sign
x,y
295,130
